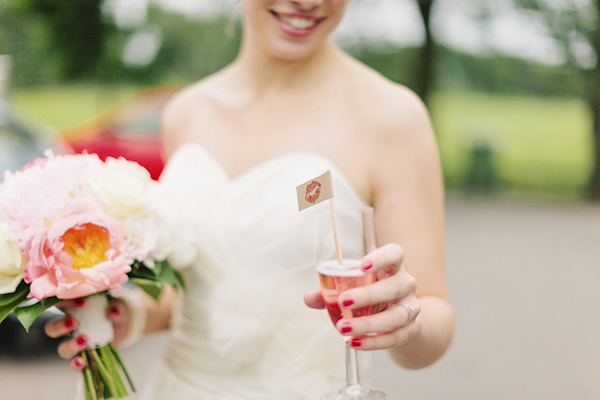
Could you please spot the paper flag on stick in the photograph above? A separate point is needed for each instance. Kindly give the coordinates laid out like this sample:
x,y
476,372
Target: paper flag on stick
x,y
315,191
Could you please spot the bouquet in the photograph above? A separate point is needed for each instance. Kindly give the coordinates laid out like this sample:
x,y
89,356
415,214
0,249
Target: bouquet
x,y
74,226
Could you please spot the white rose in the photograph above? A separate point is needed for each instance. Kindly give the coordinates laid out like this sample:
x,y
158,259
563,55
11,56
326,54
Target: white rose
x,y
122,186
140,236
11,261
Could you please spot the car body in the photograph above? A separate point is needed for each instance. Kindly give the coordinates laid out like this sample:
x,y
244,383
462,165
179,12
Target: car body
x,y
130,129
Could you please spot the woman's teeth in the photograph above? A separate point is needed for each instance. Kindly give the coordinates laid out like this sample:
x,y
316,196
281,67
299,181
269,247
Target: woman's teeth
x,y
299,22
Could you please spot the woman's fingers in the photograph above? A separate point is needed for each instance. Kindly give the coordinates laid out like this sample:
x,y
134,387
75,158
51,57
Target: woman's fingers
x,y
116,311
394,287
60,327
385,340
393,282
387,259
72,347
75,303
77,363
64,326
388,328
392,327
118,314
314,299
394,318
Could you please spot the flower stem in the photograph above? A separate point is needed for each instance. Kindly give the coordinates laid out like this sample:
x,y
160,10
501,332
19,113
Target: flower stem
x,y
88,382
117,356
112,368
102,377
105,375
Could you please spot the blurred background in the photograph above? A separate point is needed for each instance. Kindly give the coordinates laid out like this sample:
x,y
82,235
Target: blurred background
x,y
513,87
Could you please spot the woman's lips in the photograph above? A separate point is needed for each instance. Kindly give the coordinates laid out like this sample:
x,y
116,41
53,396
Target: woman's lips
x,y
297,25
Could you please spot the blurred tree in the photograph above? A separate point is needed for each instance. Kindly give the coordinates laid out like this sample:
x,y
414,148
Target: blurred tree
x,y
77,30
594,103
190,48
24,38
424,79
575,25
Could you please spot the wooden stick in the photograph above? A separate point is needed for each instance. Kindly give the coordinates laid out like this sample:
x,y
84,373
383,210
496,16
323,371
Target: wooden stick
x,y
338,249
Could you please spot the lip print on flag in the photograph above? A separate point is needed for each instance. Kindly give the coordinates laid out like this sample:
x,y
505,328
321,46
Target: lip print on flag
x,y
314,191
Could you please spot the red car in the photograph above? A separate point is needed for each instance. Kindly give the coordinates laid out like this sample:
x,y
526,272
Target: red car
x,y
129,128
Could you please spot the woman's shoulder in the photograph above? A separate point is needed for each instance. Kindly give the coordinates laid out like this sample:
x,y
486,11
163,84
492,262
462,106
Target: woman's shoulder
x,y
378,92
200,93
388,107
194,102
394,128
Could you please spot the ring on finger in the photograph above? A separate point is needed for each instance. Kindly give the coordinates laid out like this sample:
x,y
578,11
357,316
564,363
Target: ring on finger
x,y
409,309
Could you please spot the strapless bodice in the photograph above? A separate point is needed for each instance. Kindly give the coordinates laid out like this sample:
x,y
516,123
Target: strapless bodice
x,y
248,254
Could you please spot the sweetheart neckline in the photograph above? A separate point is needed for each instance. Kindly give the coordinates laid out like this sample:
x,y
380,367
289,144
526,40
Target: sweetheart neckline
x,y
264,164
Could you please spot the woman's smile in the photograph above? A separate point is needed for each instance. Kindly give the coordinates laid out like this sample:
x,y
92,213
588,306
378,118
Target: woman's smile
x,y
295,24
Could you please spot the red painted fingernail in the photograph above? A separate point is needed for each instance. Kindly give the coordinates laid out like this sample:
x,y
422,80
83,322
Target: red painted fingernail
x,y
79,302
367,265
79,362
346,327
355,342
348,302
114,312
70,323
82,340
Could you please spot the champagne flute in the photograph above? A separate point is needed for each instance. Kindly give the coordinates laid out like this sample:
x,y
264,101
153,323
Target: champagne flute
x,y
344,237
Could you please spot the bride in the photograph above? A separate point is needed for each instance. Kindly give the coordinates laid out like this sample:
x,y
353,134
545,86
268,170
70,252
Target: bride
x,y
289,107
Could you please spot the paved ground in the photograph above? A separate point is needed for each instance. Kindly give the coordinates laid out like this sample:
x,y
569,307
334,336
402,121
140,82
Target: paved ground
x,y
525,282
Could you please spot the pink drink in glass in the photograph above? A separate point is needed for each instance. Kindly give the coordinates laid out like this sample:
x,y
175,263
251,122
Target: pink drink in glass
x,y
336,279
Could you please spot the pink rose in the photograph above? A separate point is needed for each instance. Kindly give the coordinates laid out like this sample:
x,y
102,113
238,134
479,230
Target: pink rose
x,y
40,162
76,255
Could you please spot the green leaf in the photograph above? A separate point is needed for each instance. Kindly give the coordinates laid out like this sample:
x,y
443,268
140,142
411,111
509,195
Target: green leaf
x,y
20,292
27,315
158,266
143,268
151,280
6,309
172,277
152,287
144,273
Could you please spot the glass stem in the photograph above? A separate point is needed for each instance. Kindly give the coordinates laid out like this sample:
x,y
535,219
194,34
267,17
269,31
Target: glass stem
x,y
351,366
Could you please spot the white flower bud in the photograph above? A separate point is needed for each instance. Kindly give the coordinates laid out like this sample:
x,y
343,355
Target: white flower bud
x,y
11,261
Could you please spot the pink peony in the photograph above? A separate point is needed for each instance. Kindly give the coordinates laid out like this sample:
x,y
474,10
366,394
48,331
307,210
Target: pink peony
x,y
40,162
35,195
80,223
76,255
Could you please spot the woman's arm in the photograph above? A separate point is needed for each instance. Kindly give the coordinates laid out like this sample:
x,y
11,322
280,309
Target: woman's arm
x,y
407,195
409,203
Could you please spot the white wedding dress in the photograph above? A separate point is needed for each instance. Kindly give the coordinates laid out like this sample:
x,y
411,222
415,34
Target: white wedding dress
x,y
243,330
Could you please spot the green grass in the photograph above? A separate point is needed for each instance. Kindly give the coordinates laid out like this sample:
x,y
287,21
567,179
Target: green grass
x,y
541,145
63,106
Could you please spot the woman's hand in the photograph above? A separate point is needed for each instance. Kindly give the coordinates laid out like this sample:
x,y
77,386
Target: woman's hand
x,y
391,327
70,348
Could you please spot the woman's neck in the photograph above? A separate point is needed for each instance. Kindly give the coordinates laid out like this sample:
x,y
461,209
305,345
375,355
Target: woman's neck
x,y
261,72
